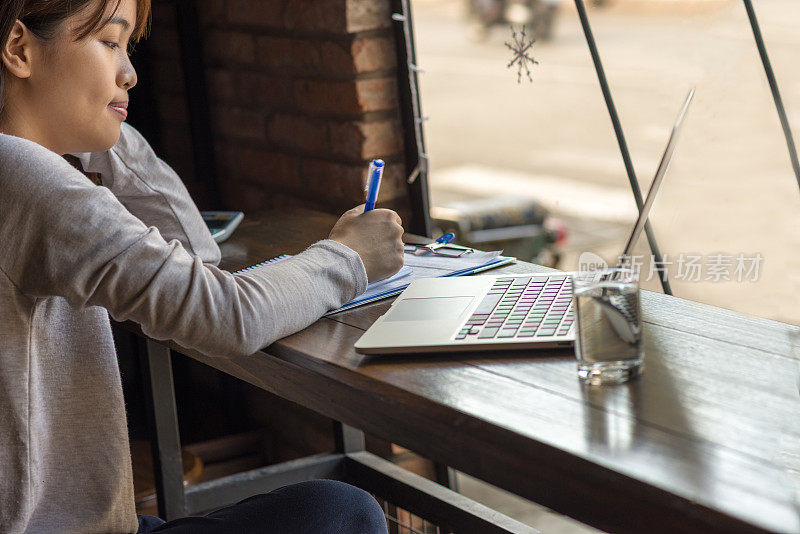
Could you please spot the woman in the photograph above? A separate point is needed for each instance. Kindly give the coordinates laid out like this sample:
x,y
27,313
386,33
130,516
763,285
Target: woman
x,y
134,246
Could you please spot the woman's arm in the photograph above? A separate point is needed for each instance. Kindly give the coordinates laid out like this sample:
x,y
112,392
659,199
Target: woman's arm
x,y
61,235
152,192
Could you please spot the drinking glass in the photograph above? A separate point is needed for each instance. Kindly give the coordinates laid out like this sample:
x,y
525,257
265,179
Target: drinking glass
x,y
608,343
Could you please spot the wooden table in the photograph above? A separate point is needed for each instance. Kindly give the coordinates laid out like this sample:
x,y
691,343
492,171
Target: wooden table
x,y
707,440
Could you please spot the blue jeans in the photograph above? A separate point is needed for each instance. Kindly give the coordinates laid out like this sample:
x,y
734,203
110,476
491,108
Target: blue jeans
x,y
317,506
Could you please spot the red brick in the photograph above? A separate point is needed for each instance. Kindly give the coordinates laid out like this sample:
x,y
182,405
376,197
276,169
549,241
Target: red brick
x,y
227,160
281,53
245,196
327,97
333,206
375,53
334,180
238,123
382,138
298,132
361,55
346,97
266,13
221,86
210,12
366,140
293,200
368,15
342,186
336,58
377,94
325,15
347,140
264,167
262,91
393,184
305,56
275,52
226,46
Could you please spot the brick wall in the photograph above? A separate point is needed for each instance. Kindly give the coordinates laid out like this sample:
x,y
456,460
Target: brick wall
x,y
303,93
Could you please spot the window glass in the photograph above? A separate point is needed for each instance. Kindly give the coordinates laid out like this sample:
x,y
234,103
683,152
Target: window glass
x,y
727,218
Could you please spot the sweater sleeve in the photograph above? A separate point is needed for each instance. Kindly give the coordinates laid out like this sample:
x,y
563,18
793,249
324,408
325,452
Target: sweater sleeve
x,y
152,192
64,236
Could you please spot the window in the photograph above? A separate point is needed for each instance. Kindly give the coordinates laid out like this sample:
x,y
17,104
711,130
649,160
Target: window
x,y
727,218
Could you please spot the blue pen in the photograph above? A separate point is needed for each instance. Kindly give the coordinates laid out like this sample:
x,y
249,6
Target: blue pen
x,y
373,183
446,238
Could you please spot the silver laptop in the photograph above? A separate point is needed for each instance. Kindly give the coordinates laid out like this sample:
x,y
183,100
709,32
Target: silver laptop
x,y
493,312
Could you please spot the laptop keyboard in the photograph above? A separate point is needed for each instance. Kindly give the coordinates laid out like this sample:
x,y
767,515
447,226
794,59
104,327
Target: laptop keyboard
x,y
522,307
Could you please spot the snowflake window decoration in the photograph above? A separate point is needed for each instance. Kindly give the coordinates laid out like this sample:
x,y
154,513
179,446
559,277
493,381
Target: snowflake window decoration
x,y
520,46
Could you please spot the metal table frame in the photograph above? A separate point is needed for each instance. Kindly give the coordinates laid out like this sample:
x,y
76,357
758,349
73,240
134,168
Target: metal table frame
x,y
349,463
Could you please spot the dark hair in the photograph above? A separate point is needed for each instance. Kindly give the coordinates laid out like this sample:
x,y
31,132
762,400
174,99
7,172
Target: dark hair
x,y
44,17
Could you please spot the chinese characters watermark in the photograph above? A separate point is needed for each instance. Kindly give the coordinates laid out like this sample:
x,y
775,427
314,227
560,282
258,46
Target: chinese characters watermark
x,y
717,267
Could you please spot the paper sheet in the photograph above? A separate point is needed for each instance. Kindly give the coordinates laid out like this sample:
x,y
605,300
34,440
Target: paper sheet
x,y
381,286
426,266
432,265
423,266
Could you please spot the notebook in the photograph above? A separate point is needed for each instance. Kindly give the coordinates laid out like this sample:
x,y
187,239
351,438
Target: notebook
x,y
416,267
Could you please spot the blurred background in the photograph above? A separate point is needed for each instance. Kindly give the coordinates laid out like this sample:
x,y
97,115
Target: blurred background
x,y
546,149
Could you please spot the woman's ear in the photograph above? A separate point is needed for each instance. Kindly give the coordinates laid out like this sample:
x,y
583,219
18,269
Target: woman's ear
x,y
17,51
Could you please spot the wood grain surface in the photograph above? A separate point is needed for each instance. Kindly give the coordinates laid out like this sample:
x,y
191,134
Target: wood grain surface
x,y
707,440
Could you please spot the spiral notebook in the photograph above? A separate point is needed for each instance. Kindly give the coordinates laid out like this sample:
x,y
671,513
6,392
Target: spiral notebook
x,y
263,263
428,266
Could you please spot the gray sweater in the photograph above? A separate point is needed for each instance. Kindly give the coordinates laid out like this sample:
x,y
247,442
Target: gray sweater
x,y
72,252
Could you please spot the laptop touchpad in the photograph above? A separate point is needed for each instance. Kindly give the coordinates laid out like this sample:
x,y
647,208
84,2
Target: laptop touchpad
x,y
429,309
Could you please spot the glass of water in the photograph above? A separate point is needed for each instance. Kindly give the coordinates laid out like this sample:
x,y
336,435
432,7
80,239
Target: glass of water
x,y
608,343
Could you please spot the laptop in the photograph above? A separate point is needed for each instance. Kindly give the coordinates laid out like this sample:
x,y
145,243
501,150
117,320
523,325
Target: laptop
x,y
512,311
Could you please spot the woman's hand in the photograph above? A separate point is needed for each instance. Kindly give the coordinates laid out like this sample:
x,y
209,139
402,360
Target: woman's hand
x,y
375,236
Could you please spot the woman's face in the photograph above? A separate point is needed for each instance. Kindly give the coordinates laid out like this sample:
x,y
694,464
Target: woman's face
x,y
77,93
